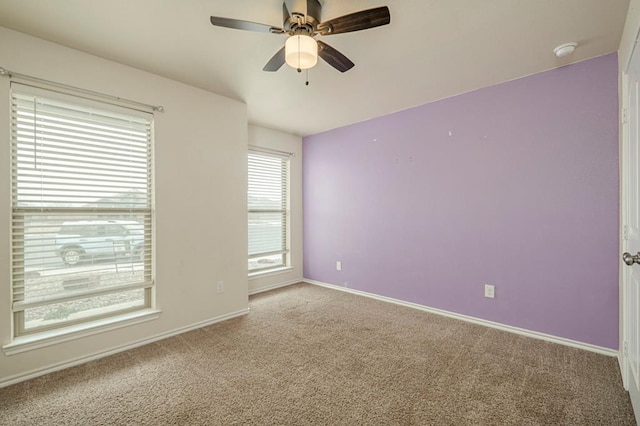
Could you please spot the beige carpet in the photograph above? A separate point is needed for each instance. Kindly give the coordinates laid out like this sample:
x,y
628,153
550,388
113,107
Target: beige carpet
x,y
307,355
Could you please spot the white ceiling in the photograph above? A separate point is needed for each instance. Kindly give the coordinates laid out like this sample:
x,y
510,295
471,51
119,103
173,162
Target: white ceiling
x,y
432,49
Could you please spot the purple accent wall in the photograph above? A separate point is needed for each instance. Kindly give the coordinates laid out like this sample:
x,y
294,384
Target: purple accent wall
x,y
515,185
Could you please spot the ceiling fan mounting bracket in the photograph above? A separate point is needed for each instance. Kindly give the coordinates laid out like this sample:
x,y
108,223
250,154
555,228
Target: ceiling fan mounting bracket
x,y
328,29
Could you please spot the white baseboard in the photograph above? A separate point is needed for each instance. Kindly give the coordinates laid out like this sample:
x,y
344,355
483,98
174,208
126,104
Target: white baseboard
x,y
486,323
84,359
273,286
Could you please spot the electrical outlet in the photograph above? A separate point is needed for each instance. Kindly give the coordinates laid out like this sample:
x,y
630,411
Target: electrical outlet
x,y
489,291
338,266
220,288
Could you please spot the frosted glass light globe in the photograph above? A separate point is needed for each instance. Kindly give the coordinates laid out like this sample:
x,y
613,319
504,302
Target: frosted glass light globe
x,y
301,52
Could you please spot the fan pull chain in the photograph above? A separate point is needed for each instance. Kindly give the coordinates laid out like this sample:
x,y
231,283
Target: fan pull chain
x,y
299,70
307,82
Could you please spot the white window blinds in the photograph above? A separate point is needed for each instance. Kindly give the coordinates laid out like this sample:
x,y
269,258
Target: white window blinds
x,y
268,196
81,209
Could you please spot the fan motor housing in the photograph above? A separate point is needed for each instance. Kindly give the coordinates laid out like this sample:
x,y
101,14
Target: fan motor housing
x,y
304,15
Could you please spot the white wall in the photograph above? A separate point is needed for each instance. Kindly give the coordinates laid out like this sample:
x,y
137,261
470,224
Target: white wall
x,y
200,181
273,139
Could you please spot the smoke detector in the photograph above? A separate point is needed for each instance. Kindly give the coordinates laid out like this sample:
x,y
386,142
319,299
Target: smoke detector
x,y
565,49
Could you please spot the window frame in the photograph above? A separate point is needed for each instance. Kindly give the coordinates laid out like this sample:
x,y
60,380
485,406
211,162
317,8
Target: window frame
x,y
285,252
20,212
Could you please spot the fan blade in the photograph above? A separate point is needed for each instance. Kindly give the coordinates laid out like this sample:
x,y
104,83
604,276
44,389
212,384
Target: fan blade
x,y
356,21
285,12
244,25
333,57
275,62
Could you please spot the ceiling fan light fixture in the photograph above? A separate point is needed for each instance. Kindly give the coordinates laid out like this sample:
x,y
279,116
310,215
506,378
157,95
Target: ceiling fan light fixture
x,y
301,52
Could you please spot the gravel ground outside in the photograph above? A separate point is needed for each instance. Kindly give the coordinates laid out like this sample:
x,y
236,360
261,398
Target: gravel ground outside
x,y
68,284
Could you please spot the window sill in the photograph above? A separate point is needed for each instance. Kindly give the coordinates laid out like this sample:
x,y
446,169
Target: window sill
x,y
283,270
54,337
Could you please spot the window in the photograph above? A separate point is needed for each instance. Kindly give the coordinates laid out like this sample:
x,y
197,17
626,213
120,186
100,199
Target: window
x,y
81,210
268,200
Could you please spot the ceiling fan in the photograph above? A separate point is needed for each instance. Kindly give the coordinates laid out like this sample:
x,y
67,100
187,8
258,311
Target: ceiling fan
x,y
301,22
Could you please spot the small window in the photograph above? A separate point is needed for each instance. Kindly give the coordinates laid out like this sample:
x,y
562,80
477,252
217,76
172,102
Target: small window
x,y
81,174
268,201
